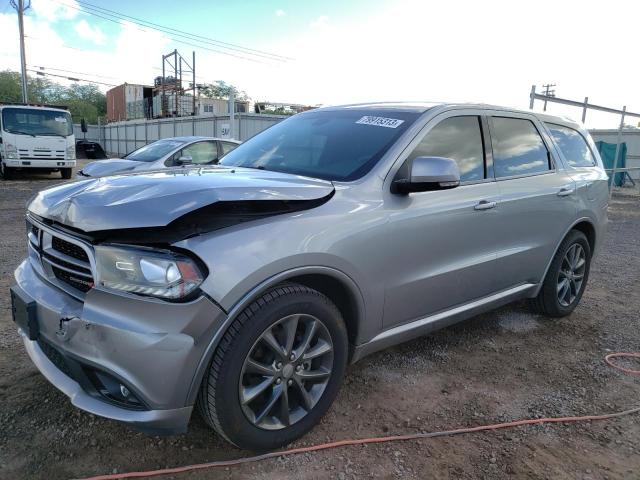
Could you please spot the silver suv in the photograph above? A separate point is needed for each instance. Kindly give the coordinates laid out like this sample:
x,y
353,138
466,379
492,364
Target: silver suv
x,y
244,289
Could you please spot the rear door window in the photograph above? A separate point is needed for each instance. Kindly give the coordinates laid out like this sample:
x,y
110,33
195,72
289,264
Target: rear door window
x,y
518,148
573,145
227,147
457,138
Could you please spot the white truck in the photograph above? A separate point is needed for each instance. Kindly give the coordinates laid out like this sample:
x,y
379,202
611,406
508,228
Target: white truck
x,y
38,138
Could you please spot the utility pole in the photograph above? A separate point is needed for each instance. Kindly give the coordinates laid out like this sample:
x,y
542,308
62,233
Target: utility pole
x,y
547,92
20,8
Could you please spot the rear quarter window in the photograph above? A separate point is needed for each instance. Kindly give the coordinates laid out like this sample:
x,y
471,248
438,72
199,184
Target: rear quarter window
x,y
573,145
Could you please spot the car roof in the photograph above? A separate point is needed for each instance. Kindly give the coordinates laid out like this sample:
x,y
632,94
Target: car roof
x,y
195,138
421,107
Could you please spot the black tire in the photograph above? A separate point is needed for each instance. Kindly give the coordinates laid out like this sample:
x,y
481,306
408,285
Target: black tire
x,y
547,301
66,173
219,399
6,173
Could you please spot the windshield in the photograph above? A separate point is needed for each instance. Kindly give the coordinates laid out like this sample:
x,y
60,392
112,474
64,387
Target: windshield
x,y
340,145
155,151
27,121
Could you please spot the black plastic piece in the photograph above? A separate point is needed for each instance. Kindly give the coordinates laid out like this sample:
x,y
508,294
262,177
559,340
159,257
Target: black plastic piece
x,y
24,312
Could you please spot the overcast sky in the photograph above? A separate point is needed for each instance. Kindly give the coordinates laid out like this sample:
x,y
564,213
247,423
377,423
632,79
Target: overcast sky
x,y
486,51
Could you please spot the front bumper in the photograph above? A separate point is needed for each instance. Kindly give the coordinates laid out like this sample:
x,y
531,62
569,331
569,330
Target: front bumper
x,y
53,163
152,347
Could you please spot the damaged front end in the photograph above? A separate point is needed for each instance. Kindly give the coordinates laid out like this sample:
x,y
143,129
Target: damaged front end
x,y
119,313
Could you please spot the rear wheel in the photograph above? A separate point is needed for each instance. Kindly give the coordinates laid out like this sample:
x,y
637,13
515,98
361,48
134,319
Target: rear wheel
x,y
66,173
277,369
567,277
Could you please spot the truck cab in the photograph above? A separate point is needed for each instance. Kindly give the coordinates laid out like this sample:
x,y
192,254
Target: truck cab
x,y
37,138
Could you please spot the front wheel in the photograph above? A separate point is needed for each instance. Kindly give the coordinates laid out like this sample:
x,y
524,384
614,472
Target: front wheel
x,y
277,369
567,277
6,172
66,173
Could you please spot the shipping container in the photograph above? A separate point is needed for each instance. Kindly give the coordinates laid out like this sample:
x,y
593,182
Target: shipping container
x,y
126,102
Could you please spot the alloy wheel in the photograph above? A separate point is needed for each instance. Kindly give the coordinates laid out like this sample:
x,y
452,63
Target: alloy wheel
x,y
286,372
571,274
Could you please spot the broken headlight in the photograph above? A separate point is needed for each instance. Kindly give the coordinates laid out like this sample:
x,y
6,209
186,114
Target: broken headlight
x,y
157,273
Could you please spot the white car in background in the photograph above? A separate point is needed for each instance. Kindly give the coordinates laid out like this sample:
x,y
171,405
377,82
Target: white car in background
x,y
168,152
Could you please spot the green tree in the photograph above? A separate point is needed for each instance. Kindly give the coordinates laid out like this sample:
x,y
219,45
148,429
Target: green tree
x,y
222,89
83,101
10,91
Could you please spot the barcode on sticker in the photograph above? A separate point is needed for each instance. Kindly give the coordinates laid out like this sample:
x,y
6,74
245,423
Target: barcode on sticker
x,y
380,121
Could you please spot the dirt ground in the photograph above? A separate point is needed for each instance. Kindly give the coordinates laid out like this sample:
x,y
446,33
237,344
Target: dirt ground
x,y
509,364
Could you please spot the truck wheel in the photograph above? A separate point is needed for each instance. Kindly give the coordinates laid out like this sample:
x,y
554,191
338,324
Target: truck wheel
x,y
6,172
66,173
277,369
567,277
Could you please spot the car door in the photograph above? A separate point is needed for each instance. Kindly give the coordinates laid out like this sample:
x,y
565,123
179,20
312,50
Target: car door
x,y
441,243
537,198
200,153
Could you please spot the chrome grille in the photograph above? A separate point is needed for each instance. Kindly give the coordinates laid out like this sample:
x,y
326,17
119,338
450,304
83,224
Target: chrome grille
x,y
65,261
40,154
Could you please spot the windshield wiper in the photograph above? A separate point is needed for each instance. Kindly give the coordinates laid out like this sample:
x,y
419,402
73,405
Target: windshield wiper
x,y
51,135
19,132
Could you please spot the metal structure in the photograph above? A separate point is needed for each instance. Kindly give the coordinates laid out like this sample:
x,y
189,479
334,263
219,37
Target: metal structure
x,y
585,105
170,87
20,8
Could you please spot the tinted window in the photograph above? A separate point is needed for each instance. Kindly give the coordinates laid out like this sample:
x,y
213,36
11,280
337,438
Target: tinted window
x,y
518,148
227,147
573,145
329,144
458,138
154,151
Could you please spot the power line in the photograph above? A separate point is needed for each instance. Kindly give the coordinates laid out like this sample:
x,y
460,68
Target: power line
x,y
210,40
74,72
73,79
118,20
202,79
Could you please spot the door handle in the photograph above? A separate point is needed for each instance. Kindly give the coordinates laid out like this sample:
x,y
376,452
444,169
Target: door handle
x,y
485,205
566,191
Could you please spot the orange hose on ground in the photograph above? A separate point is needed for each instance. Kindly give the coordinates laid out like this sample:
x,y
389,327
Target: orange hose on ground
x,y
392,438
617,355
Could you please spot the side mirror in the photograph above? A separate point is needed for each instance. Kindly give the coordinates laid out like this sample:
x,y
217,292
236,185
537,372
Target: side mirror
x,y
184,161
83,125
428,173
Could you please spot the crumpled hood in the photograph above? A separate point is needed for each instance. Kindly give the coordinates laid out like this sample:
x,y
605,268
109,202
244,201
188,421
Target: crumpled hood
x,y
154,199
102,168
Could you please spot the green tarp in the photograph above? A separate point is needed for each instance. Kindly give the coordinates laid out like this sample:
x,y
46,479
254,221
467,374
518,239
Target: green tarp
x,y
608,152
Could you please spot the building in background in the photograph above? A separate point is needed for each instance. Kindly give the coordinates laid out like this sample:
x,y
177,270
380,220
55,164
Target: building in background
x,y
281,108
219,106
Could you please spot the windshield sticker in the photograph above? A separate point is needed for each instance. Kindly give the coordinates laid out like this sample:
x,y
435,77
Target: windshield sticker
x,y
61,119
380,121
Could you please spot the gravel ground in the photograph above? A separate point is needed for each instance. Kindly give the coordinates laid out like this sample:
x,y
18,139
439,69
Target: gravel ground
x,y
506,365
